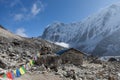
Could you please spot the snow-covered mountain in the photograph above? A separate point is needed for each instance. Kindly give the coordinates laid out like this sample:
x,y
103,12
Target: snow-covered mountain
x,y
98,34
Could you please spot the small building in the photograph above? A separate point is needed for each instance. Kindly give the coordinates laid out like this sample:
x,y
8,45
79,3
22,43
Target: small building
x,y
71,56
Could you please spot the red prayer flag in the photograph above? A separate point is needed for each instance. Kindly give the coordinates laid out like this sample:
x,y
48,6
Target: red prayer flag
x,y
9,75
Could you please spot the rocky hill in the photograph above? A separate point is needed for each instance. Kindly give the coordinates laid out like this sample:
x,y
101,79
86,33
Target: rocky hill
x,y
97,34
7,34
16,50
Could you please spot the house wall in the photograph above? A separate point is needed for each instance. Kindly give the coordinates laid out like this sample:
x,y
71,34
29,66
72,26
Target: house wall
x,y
72,57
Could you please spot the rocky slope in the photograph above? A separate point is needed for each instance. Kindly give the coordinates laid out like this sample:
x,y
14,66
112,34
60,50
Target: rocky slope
x,y
16,50
7,34
98,34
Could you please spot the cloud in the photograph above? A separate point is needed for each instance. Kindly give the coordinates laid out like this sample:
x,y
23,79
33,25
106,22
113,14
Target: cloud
x,y
14,3
62,44
35,9
18,17
27,13
21,32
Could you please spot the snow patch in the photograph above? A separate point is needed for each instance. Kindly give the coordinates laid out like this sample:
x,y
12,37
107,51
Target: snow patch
x,y
62,44
106,58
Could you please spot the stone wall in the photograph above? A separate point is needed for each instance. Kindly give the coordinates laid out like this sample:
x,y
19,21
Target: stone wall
x,y
50,61
72,57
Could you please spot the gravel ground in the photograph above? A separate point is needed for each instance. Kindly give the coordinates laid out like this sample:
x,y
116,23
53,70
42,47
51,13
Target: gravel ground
x,y
35,76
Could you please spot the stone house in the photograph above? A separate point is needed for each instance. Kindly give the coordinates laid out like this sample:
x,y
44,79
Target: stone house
x,y
72,56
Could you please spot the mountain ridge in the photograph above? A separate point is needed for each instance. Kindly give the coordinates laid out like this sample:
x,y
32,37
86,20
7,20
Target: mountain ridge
x,y
89,33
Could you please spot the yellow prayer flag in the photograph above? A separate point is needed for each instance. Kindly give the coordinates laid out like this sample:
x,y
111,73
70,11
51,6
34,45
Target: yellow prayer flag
x,y
14,72
31,62
22,71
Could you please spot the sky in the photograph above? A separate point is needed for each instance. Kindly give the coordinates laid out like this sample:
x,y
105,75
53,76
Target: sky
x,y
29,18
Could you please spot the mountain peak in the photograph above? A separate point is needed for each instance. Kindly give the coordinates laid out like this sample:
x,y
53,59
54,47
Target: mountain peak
x,y
113,8
57,24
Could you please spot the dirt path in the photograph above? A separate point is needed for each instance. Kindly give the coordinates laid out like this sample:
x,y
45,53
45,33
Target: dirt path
x,y
46,76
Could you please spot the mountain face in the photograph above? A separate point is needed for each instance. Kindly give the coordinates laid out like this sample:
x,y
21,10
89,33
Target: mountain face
x,y
99,34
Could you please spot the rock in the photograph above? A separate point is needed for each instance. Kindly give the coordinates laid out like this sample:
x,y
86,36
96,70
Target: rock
x,y
111,78
2,64
71,74
42,68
